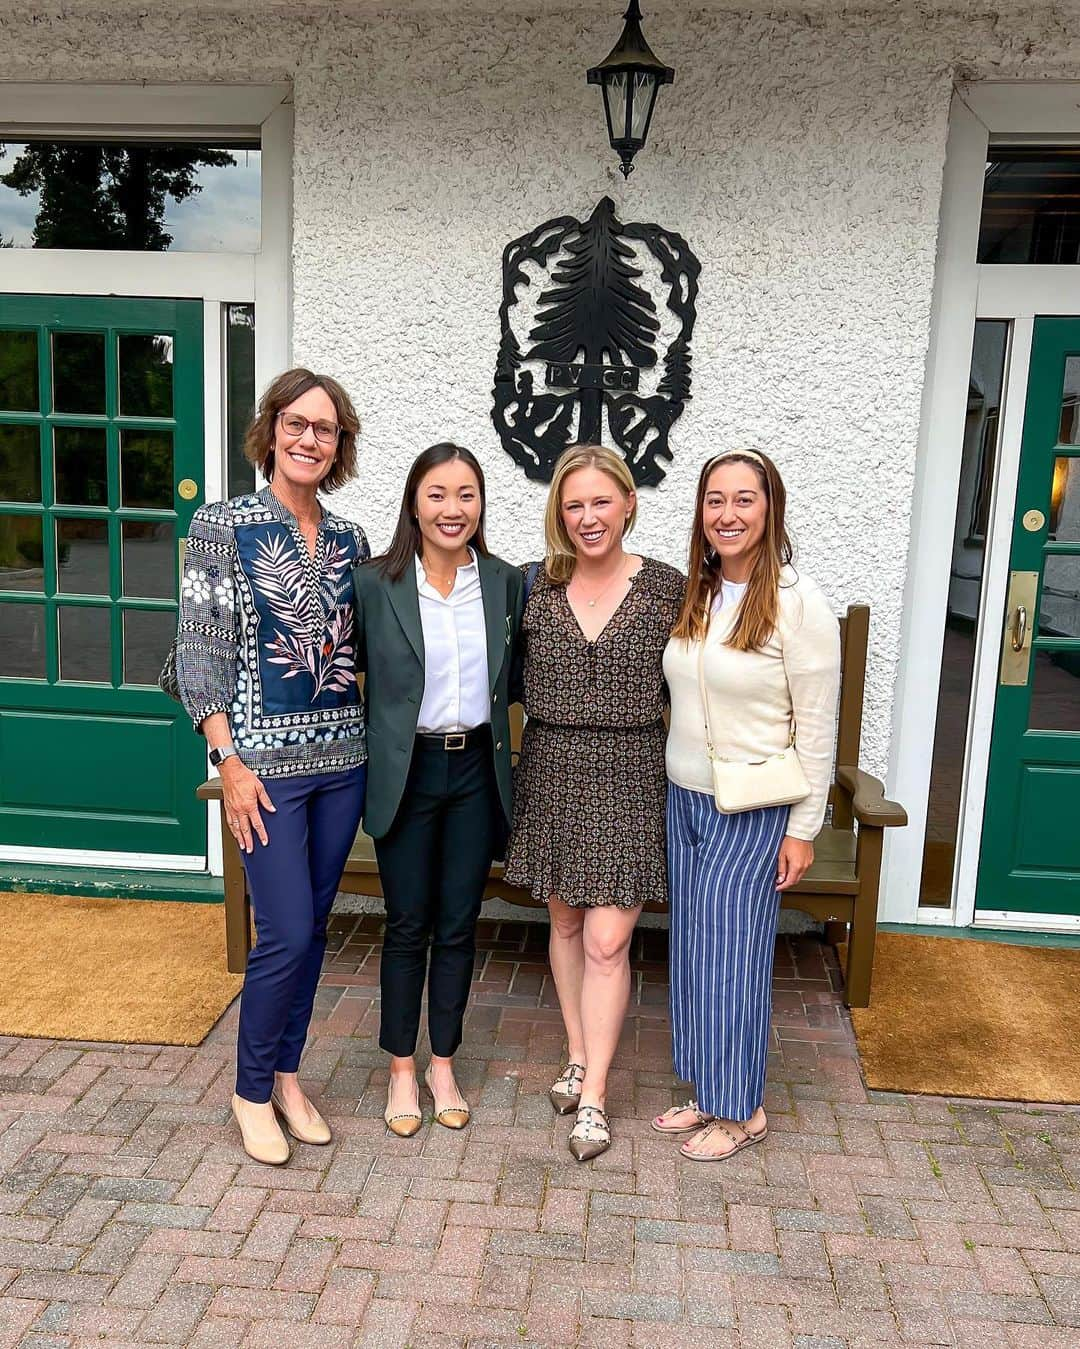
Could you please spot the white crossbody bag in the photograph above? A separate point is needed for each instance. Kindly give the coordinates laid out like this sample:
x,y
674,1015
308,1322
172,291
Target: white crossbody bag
x,y
777,780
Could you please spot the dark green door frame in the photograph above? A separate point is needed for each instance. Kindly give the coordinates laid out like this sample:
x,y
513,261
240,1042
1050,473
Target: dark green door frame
x,y
93,757
1030,850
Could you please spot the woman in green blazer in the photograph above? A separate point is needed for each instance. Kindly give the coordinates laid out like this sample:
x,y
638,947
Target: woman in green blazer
x,y
437,619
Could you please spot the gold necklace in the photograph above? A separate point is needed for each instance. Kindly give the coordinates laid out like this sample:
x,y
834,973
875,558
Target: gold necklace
x,y
601,593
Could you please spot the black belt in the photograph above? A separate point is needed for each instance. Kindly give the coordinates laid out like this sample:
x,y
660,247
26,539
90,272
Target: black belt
x,y
455,740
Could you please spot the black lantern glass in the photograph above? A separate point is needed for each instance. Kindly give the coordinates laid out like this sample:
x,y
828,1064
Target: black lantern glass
x,y
630,76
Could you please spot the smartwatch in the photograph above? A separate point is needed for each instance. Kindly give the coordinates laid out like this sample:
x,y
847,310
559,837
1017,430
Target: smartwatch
x,y
218,756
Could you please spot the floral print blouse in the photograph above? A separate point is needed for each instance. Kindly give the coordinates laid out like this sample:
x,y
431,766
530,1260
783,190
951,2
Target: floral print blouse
x,y
266,635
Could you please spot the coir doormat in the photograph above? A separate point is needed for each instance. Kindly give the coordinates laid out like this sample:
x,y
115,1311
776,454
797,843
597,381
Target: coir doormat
x,y
129,971
957,1017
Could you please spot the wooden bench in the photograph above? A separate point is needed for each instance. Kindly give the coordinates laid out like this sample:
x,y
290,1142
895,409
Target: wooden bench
x,y
840,889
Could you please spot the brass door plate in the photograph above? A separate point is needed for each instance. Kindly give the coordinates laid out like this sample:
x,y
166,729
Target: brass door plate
x,y
1019,624
1033,521
188,489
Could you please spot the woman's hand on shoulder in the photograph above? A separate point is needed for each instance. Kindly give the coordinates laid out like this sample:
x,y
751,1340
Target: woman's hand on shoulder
x,y
794,861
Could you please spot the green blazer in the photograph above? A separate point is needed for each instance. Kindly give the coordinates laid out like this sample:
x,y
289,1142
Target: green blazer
x,y
390,651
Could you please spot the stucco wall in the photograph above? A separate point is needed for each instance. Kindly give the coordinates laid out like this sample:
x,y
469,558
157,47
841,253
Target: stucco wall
x,y
800,155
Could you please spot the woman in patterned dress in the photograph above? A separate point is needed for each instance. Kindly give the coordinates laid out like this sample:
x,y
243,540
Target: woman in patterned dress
x,y
588,830
265,665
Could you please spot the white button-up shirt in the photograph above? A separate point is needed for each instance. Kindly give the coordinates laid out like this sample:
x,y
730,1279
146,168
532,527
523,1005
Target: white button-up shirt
x,y
456,690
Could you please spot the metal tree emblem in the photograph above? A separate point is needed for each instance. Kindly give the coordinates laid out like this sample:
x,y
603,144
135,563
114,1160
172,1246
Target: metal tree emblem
x,y
595,334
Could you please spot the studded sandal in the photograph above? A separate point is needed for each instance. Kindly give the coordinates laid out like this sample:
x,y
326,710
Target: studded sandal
x,y
661,1126
591,1134
748,1139
565,1093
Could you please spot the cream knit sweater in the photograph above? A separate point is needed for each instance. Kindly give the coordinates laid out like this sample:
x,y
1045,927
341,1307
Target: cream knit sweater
x,y
753,696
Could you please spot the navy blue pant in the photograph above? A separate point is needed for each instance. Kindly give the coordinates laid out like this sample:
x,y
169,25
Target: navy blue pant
x,y
293,880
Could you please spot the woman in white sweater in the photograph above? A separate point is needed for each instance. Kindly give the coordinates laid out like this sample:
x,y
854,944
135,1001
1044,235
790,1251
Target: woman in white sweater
x,y
761,639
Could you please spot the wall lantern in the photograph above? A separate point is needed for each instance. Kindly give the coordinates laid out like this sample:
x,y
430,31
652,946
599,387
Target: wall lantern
x,y
630,76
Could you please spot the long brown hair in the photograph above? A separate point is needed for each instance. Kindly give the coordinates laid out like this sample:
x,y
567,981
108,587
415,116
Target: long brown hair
x,y
561,555
756,619
407,541
286,389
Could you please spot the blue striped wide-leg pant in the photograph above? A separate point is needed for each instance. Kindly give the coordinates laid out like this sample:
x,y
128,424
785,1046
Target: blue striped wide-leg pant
x,y
724,910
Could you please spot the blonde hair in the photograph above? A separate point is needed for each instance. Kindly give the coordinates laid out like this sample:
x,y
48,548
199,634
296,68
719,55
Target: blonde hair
x,y
760,604
561,557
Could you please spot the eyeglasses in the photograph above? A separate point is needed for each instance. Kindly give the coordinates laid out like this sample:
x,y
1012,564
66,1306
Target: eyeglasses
x,y
326,433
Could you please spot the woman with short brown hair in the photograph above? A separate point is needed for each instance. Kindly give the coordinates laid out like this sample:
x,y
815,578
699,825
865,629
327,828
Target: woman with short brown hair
x,y
265,661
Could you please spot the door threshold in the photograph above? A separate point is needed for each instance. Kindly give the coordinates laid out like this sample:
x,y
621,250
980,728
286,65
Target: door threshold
x,y
1014,935
187,886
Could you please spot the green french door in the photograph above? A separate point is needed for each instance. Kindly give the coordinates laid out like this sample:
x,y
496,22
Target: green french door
x,y
101,461
1030,856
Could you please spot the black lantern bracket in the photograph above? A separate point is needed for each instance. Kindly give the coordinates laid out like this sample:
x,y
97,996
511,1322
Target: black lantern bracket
x,y
630,76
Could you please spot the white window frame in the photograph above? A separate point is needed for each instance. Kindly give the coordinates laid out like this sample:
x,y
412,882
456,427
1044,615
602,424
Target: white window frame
x,y
963,292
187,112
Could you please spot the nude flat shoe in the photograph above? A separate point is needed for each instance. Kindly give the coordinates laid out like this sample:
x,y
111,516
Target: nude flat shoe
x,y
452,1116
403,1125
315,1130
263,1142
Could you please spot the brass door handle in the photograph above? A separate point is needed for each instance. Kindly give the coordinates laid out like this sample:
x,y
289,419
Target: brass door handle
x,y
1016,632
1019,632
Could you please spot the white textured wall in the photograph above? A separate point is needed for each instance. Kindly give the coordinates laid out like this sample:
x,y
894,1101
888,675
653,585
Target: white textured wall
x,y
800,155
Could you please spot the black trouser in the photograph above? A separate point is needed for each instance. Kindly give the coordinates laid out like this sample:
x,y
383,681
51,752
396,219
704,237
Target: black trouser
x,y
434,862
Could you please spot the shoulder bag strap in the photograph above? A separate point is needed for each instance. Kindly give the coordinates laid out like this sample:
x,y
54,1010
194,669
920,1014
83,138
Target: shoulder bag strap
x,y
709,748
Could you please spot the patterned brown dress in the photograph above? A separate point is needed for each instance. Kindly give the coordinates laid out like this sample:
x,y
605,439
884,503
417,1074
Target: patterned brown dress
x,y
590,787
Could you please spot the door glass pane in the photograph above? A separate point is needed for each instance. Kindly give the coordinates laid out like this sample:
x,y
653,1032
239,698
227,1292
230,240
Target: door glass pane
x,y
82,557
150,559
239,392
18,372
78,372
965,591
147,637
1055,691
1031,205
1059,604
21,557
145,375
1065,500
22,641
79,466
147,196
146,469
84,645
20,464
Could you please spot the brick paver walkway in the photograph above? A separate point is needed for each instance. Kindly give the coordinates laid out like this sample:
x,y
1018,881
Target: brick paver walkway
x,y
129,1214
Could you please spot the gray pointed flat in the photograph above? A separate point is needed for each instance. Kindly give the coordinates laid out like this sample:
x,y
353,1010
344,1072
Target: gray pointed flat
x,y
565,1092
591,1134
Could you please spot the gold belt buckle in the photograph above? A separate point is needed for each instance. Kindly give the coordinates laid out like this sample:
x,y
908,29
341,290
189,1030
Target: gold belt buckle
x,y
455,740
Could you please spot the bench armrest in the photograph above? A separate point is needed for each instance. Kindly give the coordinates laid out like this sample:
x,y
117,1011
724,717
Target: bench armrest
x,y
210,790
868,803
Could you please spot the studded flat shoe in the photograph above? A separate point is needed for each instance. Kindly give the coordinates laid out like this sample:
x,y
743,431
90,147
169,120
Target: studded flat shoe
x,y
591,1134
565,1092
